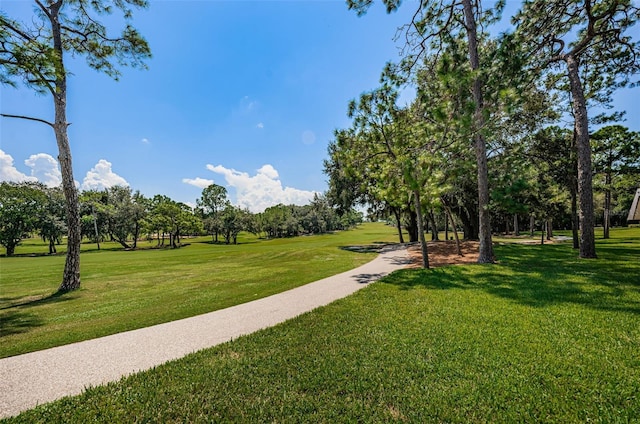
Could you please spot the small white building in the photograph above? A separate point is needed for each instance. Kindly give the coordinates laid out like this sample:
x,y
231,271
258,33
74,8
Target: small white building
x,y
634,212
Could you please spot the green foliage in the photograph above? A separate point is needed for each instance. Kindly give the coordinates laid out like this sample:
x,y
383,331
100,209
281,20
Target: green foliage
x,y
317,217
582,49
30,52
390,151
596,34
536,176
51,225
213,200
540,337
122,214
20,207
616,151
233,220
624,191
116,214
94,220
616,155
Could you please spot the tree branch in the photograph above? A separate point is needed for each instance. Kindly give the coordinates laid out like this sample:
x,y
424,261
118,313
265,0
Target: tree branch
x,y
44,9
16,30
28,118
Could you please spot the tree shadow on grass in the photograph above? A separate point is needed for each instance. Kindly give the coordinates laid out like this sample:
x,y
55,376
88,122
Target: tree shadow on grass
x,y
15,317
367,278
542,277
222,243
374,247
435,278
15,322
367,248
24,302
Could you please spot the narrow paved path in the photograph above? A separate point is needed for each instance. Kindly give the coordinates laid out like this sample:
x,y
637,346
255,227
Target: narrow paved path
x,y
44,376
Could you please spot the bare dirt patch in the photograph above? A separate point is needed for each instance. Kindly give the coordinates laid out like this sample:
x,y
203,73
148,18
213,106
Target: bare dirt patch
x,y
442,253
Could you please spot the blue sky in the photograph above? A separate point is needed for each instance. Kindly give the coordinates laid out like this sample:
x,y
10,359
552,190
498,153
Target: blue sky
x,y
245,94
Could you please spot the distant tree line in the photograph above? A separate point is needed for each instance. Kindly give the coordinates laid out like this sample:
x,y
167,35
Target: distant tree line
x,y
119,214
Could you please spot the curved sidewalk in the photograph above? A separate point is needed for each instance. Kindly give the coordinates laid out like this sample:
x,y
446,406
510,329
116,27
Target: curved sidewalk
x,y
44,376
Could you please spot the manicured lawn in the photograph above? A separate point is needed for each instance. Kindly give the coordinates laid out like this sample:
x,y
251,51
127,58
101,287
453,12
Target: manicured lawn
x,y
124,290
540,337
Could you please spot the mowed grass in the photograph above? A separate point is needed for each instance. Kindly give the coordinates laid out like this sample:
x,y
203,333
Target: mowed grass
x,y
124,290
539,337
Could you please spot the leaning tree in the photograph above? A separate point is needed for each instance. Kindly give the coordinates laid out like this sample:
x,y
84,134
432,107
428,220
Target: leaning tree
x,y
33,52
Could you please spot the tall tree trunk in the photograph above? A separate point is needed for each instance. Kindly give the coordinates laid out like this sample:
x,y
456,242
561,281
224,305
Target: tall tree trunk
x,y
95,226
574,220
573,191
516,226
71,274
446,226
136,233
585,187
396,213
455,232
469,224
549,229
532,225
486,245
412,229
607,205
423,241
434,226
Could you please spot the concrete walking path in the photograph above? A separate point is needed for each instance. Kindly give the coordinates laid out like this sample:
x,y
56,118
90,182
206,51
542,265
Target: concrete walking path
x,y
39,377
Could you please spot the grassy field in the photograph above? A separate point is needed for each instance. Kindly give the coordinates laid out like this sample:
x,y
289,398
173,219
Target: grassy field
x,y
539,337
124,290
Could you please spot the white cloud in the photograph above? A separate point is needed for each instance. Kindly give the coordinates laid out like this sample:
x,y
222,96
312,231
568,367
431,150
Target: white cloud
x,y
268,171
8,172
198,182
262,190
101,177
45,168
260,125
145,141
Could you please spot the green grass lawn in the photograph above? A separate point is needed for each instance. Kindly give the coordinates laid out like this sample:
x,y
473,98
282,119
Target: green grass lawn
x,y
124,290
540,337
